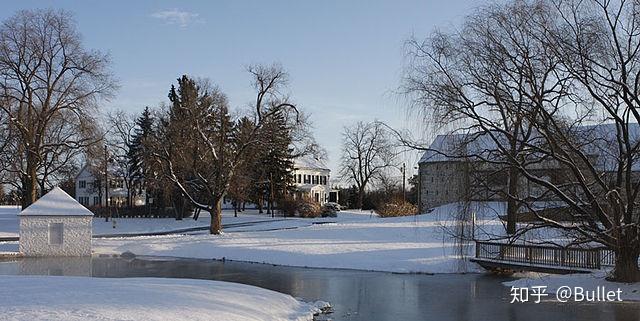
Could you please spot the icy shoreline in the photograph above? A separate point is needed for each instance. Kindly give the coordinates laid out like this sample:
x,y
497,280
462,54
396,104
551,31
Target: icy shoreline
x,y
86,298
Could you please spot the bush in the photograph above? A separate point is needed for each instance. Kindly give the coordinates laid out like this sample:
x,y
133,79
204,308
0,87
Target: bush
x,y
330,210
309,208
397,208
288,206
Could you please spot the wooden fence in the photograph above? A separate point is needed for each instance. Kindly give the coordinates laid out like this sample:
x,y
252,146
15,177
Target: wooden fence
x,y
593,258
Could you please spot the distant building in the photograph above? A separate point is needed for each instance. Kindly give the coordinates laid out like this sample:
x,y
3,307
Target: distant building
x,y
311,177
90,190
450,172
55,225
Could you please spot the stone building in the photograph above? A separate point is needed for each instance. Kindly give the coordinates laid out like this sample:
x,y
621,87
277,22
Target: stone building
x,y
55,225
453,170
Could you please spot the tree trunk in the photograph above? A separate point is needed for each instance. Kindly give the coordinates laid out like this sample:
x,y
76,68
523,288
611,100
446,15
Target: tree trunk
x,y
235,209
29,186
512,206
216,216
360,198
626,269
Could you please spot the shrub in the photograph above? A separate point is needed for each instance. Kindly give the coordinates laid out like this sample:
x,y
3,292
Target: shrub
x,y
288,206
397,208
309,208
330,210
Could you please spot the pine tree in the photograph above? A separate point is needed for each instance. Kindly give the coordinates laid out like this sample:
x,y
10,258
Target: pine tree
x,y
139,155
275,159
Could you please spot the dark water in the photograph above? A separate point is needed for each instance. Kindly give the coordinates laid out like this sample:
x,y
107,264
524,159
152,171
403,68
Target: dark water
x,y
355,295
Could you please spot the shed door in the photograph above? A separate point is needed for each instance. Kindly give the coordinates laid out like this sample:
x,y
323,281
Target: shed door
x,y
55,233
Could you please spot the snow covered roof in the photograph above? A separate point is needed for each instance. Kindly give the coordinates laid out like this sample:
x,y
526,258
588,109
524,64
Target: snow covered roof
x,y
456,146
599,140
56,203
309,162
308,187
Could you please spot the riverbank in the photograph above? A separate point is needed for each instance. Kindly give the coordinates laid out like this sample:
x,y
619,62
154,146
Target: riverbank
x,y
81,298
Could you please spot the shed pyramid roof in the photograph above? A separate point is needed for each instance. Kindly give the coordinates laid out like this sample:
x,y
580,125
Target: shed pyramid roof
x,y
56,203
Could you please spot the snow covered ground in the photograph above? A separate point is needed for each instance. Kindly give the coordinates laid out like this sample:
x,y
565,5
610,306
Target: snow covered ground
x,y
630,291
9,224
79,298
9,220
356,240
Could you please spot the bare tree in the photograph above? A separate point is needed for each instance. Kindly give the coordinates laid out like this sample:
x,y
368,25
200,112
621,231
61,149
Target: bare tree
x,y
366,152
530,79
49,87
119,141
202,160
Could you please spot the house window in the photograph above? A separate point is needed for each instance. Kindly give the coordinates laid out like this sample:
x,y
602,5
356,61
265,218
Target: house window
x,y
96,200
299,178
84,200
55,233
82,184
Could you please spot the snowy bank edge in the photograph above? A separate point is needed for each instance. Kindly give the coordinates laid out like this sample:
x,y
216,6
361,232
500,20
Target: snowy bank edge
x,y
64,295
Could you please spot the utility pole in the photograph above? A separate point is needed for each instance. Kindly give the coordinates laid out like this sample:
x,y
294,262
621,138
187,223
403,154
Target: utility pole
x,y
273,214
106,183
404,189
419,189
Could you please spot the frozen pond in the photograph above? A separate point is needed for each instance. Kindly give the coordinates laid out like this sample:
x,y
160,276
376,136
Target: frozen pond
x,y
355,295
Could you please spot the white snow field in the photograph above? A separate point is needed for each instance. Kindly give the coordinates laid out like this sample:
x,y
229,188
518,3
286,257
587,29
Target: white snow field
x,y
9,224
356,240
84,298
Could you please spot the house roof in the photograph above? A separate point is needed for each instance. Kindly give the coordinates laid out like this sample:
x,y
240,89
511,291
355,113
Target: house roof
x,y
599,140
309,162
309,187
56,203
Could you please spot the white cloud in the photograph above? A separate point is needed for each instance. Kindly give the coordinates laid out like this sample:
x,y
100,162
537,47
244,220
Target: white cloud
x,y
177,17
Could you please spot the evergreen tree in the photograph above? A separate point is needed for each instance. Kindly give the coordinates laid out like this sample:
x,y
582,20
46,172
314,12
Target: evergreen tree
x,y
275,159
139,156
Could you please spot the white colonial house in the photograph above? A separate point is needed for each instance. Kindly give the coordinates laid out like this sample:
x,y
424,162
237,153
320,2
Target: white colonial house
x,y
90,191
311,177
55,225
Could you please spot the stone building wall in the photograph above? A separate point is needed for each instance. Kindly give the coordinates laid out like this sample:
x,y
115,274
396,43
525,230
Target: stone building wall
x,y
34,236
442,183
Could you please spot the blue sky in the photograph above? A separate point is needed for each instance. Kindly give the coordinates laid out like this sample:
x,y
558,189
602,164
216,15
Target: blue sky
x,y
345,58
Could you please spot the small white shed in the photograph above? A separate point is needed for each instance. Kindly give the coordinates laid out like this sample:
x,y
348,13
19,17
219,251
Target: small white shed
x,y
55,225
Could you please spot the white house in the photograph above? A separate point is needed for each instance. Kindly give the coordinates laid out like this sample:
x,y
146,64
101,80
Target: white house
x,y
90,191
55,225
311,177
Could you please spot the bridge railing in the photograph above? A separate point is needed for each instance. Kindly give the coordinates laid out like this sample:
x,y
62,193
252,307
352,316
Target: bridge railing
x,y
541,255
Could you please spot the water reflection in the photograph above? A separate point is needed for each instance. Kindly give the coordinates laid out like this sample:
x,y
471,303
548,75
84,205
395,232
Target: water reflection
x,y
355,295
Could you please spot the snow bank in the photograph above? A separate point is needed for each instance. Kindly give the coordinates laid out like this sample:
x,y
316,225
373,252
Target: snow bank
x,y
77,298
411,244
